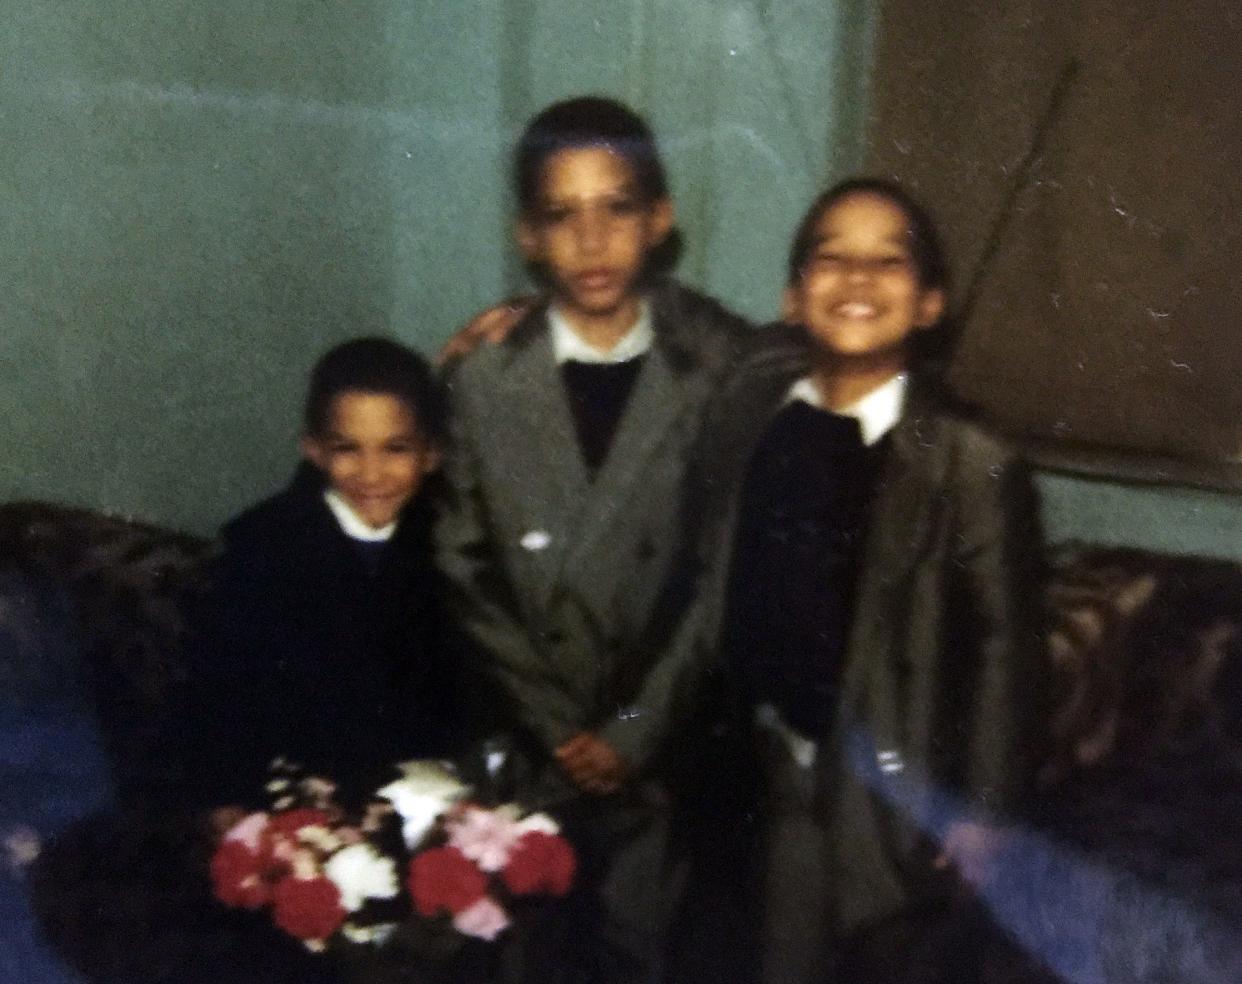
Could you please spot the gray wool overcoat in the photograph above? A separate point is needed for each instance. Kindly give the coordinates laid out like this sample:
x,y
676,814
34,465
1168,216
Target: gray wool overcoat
x,y
553,576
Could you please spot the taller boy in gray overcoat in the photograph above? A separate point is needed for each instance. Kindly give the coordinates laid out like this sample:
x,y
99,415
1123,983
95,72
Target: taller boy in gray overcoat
x,y
568,453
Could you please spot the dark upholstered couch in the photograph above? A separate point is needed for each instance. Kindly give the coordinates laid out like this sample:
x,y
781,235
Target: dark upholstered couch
x,y
128,587
1130,871
94,619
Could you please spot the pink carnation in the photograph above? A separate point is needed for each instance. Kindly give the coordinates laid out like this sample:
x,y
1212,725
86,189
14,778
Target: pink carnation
x,y
485,919
280,837
249,831
486,837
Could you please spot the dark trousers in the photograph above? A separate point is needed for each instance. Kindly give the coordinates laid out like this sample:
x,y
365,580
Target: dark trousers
x,y
613,928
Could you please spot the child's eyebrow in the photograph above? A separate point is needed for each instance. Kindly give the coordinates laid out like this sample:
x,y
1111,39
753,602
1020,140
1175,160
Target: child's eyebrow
x,y
627,190
900,241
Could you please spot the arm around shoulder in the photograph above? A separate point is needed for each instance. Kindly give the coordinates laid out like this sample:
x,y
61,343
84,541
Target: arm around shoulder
x,y
668,699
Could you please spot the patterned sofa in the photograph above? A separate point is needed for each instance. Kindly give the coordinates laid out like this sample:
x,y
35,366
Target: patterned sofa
x,y
1130,871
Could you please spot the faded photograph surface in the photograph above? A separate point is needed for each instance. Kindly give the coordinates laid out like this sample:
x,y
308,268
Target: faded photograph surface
x,y
665,492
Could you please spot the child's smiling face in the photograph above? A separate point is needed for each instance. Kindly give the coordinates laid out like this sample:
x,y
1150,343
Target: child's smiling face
x,y
372,453
592,230
859,293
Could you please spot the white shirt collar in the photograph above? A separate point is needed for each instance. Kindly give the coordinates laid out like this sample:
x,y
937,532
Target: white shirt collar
x,y
877,412
568,346
353,526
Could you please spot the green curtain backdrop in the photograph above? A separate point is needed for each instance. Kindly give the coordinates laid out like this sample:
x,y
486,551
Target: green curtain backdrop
x,y
197,198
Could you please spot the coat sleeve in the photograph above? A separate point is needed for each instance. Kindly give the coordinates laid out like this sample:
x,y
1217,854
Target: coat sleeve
x,y
237,670
668,698
997,554
482,603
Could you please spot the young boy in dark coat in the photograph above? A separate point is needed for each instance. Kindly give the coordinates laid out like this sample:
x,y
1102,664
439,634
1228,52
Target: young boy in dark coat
x,y
323,638
875,553
319,642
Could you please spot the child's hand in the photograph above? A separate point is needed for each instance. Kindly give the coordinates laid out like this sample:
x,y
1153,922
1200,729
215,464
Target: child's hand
x,y
593,764
490,327
971,848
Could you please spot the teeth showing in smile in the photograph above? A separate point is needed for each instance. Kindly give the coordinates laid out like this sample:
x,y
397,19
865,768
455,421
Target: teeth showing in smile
x,y
856,309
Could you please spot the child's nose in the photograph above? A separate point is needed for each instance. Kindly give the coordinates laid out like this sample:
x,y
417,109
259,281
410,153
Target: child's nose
x,y
592,233
859,270
371,469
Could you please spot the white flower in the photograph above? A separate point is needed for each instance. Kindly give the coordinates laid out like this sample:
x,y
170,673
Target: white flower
x,y
319,790
423,793
360,872
540,822
377,934
303,864
321,838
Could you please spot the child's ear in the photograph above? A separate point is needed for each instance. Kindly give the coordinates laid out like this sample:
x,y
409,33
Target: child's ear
x,y
312,451
662,218
433,457
931,307
528,239
791,309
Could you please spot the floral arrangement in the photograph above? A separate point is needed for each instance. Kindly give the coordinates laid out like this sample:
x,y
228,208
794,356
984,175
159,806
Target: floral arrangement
x,y
420,849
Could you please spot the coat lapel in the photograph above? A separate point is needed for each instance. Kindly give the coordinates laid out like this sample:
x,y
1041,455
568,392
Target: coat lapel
x,y
659,397
900,522
538,446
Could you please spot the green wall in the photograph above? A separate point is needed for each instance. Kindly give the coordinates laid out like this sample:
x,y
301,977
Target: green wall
x,y
198,198
1169,518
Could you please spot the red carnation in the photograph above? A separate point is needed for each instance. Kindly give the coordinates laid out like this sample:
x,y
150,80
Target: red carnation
x,y
443,879
308,908
290,822
237,876
540,863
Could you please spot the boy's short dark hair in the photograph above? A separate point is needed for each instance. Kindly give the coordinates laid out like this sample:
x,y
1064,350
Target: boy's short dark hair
x,y
925,247
931,349
587,121
376,365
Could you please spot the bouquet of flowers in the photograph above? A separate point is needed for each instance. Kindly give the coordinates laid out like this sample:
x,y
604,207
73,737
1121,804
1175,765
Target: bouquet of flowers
x,y
420,850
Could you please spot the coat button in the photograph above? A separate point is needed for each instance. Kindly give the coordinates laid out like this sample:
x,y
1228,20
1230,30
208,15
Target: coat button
x,y
536,540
